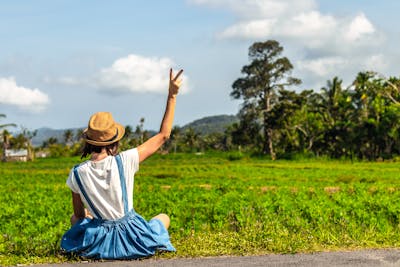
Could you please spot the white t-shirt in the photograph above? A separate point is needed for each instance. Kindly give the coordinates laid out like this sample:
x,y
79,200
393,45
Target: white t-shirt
x,y
101,181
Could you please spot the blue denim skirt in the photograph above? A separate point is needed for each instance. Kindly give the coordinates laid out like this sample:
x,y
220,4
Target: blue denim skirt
x,y
130,237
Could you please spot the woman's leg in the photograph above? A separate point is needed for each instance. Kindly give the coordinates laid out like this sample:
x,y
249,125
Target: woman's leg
x,y
88,214
74,218
164,219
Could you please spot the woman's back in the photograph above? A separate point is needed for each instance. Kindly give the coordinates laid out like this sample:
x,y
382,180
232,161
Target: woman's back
x,y
101,181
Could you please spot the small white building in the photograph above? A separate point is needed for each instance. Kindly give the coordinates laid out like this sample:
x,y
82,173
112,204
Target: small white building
x,y
16,155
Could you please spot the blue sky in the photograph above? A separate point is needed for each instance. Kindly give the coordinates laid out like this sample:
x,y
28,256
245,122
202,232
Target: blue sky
x,y
61,61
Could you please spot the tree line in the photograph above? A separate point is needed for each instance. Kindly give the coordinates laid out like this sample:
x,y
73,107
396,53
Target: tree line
x,y
357,121
279,119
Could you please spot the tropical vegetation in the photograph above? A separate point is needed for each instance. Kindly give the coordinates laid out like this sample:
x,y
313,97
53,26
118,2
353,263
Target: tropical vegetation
x,y
219,203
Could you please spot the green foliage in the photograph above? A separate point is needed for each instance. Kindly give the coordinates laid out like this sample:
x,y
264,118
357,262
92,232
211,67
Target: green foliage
x,y
267,74
219,203
235,156
359,121
2,126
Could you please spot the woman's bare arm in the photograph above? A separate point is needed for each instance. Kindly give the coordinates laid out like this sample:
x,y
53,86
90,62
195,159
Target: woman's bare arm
x,y
79,208
153,144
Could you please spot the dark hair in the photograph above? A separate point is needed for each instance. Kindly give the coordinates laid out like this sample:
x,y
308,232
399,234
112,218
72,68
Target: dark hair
x,y
88,149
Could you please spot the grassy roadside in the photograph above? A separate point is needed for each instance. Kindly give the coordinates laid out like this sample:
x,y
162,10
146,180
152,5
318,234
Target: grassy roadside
x,y
219,205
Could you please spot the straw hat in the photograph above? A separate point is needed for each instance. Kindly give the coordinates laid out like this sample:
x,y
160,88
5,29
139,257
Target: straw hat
x,y
103,130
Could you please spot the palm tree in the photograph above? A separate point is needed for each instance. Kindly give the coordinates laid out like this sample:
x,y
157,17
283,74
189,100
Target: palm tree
x,y
338,109
78,134
49,142
68,137
331,95
128,132
7,124
5,135
191,138
140,130
175,136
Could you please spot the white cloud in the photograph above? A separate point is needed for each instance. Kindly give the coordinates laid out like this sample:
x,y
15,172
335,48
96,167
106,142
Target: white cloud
x,y
321,45
376,62
323,66
22,97
306,25
136,73
254,29
259,9
300,26
133,73
359,27
310,29
293,19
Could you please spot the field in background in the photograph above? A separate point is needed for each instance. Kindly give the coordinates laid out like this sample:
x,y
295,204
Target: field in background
x,y
220,204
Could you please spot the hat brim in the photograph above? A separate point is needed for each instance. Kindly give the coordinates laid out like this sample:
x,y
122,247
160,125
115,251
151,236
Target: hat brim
x,y
121,133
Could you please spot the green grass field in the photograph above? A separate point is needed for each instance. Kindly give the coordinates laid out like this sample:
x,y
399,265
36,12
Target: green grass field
x,y
220,204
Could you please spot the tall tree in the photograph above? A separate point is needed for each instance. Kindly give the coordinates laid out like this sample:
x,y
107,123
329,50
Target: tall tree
x,y
68,137
338,109
247,131
192,139
377,100
7,124
140,131
5,135
294,122
175,137
128,132
29,135
267,72
49,142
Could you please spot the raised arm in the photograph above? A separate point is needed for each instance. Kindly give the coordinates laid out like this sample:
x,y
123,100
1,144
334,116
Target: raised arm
x,y
153,144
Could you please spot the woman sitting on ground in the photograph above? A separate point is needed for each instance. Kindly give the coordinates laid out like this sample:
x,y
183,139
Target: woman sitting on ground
x,y
104,223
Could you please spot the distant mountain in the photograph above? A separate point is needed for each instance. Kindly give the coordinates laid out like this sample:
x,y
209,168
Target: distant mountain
x,y
212,124
44,134
206,125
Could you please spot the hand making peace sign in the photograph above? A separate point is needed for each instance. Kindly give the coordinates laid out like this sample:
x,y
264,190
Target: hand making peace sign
x,y
174,82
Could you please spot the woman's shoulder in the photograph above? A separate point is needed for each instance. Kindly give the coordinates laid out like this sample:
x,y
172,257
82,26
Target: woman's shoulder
x,y
130,157
129,152
81,167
